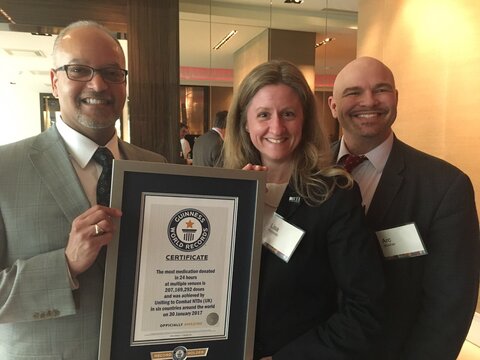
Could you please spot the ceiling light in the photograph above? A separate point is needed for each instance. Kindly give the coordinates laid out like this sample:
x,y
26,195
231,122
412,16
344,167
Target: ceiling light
x,y
293,1
25,52
8,17
40,72
41,34
225,39
323,42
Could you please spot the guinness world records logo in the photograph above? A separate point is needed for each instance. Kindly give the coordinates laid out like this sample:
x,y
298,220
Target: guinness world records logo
x,y
179,353
188,230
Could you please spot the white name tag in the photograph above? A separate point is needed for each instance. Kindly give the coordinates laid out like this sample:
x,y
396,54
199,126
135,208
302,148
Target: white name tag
x,y
401,241
281,238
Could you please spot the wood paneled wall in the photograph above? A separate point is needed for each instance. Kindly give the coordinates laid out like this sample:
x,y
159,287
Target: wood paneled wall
x,y
153,61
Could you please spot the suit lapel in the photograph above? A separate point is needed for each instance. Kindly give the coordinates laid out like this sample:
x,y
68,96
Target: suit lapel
x,y
388,187
52,163
335,147
124,150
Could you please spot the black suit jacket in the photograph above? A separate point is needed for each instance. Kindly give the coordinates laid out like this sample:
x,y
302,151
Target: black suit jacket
x,y
207,149
299,315
430,300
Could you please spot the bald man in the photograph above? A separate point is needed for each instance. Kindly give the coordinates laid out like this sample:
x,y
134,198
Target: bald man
x,y
52,226
423,210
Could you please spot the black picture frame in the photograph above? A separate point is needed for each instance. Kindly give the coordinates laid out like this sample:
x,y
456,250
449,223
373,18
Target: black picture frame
x,y
131,181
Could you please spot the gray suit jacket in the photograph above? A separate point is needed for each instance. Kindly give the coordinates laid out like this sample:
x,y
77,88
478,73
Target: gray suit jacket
x,y
207,149
430,300
40,195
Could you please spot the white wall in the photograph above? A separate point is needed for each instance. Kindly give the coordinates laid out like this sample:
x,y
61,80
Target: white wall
x,y
23,77
20,107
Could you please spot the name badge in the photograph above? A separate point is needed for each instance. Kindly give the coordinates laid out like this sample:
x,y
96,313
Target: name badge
x,y
400,242
280,237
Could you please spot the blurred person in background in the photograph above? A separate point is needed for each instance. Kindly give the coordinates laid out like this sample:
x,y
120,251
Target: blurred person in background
x,y
208,147
185,145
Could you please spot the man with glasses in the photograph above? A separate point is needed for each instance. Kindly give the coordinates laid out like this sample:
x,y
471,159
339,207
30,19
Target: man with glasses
x,y
54,217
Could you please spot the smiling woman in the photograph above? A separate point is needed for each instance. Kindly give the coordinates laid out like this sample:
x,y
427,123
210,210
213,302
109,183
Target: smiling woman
x,y
273,122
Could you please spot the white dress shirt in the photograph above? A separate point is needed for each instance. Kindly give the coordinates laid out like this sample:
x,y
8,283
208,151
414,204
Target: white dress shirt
x,y
81,149
218,131
369,172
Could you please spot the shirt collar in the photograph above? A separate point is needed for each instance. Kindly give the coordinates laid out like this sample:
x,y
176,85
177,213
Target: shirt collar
x,y
80,147
218,131
377,156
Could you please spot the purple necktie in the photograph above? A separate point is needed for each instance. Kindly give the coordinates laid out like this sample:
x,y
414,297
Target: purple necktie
x,y
350,161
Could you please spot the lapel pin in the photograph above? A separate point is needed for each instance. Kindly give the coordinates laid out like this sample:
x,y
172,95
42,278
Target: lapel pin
x,y
294,199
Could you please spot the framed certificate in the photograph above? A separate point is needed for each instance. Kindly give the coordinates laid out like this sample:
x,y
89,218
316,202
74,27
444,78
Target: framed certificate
x,y
181,274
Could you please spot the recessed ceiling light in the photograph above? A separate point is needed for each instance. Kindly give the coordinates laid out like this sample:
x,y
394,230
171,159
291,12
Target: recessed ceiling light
x,y
41,34
324,41
8,17
25,52
40,72
225,39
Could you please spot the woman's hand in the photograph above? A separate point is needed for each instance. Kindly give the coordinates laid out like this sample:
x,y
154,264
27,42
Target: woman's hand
x,y
252,167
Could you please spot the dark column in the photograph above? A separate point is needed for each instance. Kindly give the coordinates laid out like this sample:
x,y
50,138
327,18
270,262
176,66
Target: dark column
x,y
153,63
295,46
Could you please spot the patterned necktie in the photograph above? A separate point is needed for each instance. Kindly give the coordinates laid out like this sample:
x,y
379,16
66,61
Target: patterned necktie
x,y
350,161
104,157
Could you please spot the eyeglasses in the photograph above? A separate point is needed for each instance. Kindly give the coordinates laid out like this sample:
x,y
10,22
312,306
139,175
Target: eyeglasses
x,y
86,73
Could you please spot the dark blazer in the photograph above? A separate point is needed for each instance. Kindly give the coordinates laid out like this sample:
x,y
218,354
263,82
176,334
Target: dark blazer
x,y
40,195
299,314
430,300
207,149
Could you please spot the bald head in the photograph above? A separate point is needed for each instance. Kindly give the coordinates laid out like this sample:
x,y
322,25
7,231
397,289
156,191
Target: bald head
x,y
359,68
365,103
81,26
